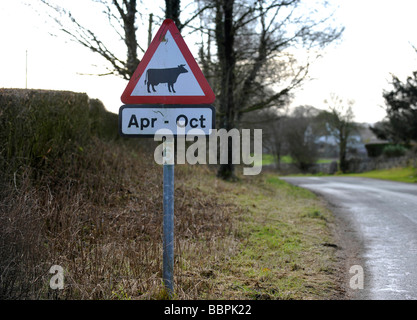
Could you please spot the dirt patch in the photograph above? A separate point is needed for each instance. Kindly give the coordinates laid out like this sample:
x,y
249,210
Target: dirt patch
x,y
348,244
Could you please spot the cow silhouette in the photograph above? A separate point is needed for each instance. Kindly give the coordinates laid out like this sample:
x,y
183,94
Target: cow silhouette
x,y
168,75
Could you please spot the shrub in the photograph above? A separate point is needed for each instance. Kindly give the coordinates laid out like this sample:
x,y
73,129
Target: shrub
x,y
39,128
375,149
103,124
392,151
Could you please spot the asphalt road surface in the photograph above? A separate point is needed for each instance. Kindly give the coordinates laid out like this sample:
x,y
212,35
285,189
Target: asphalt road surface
x,y
382,218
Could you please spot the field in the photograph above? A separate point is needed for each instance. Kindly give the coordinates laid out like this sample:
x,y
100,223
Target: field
x,y
74,194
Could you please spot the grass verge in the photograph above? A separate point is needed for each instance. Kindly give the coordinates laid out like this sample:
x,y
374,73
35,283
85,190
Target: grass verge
x,y
408,174
268,159
281,247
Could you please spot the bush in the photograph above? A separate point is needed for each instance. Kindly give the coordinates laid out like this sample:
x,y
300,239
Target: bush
x,y
41,127
392,151
375,149
103,124
64,194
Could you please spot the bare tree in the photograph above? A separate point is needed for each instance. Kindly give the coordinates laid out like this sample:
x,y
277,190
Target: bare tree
x,y
300,137
173,11
253,41
272,121
273,137
123,16
339,124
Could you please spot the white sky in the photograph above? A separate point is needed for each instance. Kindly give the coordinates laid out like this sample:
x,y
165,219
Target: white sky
x,y
375,44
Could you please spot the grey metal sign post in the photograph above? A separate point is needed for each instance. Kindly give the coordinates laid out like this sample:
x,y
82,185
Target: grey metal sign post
x,y
170,82
174,120
168,225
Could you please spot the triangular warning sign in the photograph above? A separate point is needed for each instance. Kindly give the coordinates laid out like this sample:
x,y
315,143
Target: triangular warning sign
x,y
168,73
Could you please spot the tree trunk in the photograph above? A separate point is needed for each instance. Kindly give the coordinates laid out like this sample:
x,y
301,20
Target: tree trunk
x,y
172,11
342,154
129,18
130,39
278,158
225,37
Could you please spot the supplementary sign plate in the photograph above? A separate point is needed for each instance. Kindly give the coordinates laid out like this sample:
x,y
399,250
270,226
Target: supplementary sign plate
x,y
147,120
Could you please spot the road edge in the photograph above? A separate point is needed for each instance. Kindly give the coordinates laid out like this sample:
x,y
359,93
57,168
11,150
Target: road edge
x,y
349,248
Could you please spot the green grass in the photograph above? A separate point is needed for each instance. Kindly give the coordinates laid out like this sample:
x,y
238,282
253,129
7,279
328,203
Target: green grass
x,y
408,174
268,159
286,159
281,253
326,160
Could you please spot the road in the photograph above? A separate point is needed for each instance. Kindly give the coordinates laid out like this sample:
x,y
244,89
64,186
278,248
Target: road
x,y
381,217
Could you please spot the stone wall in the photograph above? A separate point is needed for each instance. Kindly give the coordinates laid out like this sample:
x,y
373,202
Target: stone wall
x,y
380,163
355,165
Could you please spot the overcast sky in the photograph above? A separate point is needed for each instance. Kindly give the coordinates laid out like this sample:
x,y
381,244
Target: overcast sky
x,y
377,42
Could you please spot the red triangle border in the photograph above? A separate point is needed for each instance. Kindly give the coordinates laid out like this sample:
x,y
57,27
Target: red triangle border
x,y
208,97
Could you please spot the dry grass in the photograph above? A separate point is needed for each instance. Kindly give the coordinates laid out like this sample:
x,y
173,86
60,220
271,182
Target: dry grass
x,y
104,227
246,240
75,195
282,246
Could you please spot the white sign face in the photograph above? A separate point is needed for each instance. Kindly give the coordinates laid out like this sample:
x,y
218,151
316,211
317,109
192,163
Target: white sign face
x,y
167,73
146,120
